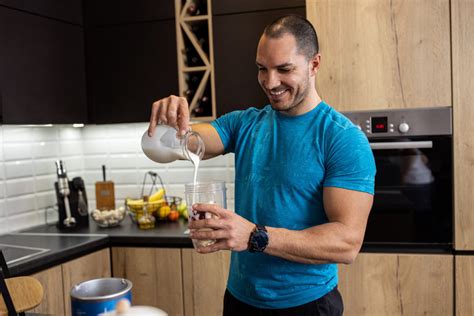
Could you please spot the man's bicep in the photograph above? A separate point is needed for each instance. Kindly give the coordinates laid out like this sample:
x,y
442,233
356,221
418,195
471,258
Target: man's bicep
x,y
348,207
211,138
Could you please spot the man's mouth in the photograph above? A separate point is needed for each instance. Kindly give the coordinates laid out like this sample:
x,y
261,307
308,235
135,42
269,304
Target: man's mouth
x,y
276,95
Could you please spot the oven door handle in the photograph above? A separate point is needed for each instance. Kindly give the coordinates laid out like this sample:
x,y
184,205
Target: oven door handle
x,y
401,145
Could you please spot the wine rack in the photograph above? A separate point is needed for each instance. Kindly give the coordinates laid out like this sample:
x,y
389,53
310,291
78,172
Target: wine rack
x,y
195,57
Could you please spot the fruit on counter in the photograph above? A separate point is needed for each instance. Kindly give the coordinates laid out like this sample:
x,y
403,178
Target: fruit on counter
x,y
136,204
109,218
164,211
182,206
173,215
158,195
183,210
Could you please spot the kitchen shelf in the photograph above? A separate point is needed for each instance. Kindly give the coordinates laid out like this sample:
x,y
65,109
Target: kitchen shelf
x,y
196,59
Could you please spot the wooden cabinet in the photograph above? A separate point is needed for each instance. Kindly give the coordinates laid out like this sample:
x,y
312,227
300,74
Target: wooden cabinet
x,y
204,282
53,299
42,77
383,54
398,284
69,11
463,116
235,46
155,274
464,285
129,67
58,281
91,266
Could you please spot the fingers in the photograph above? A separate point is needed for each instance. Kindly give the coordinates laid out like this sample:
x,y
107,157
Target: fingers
x,y
209,234
153,118
172,111
219,245
211,208
214,223
183,118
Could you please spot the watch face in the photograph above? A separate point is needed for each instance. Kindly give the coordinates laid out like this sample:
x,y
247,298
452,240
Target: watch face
x,y
259,240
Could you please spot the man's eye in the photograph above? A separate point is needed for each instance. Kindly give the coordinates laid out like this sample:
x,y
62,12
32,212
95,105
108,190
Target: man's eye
x,y
261,69
284,70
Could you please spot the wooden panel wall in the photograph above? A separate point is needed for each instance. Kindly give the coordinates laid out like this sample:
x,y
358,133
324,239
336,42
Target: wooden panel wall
x,y
380,54
463,117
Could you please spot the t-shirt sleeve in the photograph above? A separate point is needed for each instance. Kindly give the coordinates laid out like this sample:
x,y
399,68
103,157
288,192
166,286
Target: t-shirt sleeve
x,y
350,162
227,127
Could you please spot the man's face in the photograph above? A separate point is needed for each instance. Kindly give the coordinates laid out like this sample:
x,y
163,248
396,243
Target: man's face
x,y
283,73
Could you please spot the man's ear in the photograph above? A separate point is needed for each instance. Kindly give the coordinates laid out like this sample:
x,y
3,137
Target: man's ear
x,y
315,63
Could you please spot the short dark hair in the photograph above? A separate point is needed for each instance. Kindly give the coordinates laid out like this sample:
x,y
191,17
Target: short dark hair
x,y
303,31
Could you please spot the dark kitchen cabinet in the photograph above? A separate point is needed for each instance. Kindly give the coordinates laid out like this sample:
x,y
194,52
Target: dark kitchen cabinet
x,y
111,12
128,67
235,44
69,11
241,6
42,71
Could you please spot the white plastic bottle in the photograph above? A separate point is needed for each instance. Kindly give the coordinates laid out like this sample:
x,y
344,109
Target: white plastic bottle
x,y
165,146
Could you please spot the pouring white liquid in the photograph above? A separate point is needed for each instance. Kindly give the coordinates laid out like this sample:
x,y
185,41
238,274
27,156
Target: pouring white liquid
x,y
195,160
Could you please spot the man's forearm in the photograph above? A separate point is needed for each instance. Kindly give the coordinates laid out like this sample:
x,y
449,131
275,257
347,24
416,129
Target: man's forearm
x,y
328,243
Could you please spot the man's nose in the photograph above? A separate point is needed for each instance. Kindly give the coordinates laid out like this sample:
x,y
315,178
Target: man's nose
x,y
272,81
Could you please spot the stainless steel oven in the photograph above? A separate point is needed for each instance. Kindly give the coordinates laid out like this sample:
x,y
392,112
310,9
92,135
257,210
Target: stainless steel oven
x,y
413,203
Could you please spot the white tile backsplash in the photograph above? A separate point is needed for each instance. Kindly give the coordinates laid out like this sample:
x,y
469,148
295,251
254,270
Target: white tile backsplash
x,y
19,169
73,163
96,146
16,151
25,220
124,146
2,209
20,187
44,166
94,132
70,133
28,171
45,183
44,133
45,149
15,133
123,161
95,162
70,148
21,204
46,199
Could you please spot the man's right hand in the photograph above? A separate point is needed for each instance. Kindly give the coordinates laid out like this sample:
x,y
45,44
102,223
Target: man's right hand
x,y
172,111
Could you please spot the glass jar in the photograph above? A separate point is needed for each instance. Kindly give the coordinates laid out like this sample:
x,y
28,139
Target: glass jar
x,y
166,146
206,193
145,220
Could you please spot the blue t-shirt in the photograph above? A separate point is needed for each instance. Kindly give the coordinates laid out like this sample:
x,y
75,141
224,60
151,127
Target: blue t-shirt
x,y
282,164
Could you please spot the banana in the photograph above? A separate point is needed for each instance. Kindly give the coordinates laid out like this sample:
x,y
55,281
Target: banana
x,y
157,196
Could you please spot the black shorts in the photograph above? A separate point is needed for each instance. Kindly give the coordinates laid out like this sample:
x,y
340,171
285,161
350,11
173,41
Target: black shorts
x,y
329,304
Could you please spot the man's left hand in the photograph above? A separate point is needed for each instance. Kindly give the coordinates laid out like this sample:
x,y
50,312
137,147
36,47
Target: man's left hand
x,y
231,231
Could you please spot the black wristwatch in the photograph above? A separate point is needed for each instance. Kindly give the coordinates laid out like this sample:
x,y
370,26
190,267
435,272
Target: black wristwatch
x,y
258,240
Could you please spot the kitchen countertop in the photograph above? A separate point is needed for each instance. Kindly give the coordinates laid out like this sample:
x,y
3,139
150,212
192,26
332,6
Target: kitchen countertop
x,y
54,246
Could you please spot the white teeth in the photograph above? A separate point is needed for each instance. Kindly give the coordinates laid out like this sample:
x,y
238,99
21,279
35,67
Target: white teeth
x,y
277,92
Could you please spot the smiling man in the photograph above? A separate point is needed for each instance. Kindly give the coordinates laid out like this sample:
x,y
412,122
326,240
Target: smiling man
x,y
304,181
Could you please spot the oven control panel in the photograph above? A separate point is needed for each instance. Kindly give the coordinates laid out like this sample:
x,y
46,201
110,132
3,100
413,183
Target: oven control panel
x,y
400,122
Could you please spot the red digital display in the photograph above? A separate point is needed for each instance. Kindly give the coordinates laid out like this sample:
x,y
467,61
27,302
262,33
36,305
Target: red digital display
x,y
379,124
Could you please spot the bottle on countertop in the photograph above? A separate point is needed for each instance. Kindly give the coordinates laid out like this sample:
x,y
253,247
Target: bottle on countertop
x,y
146,219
